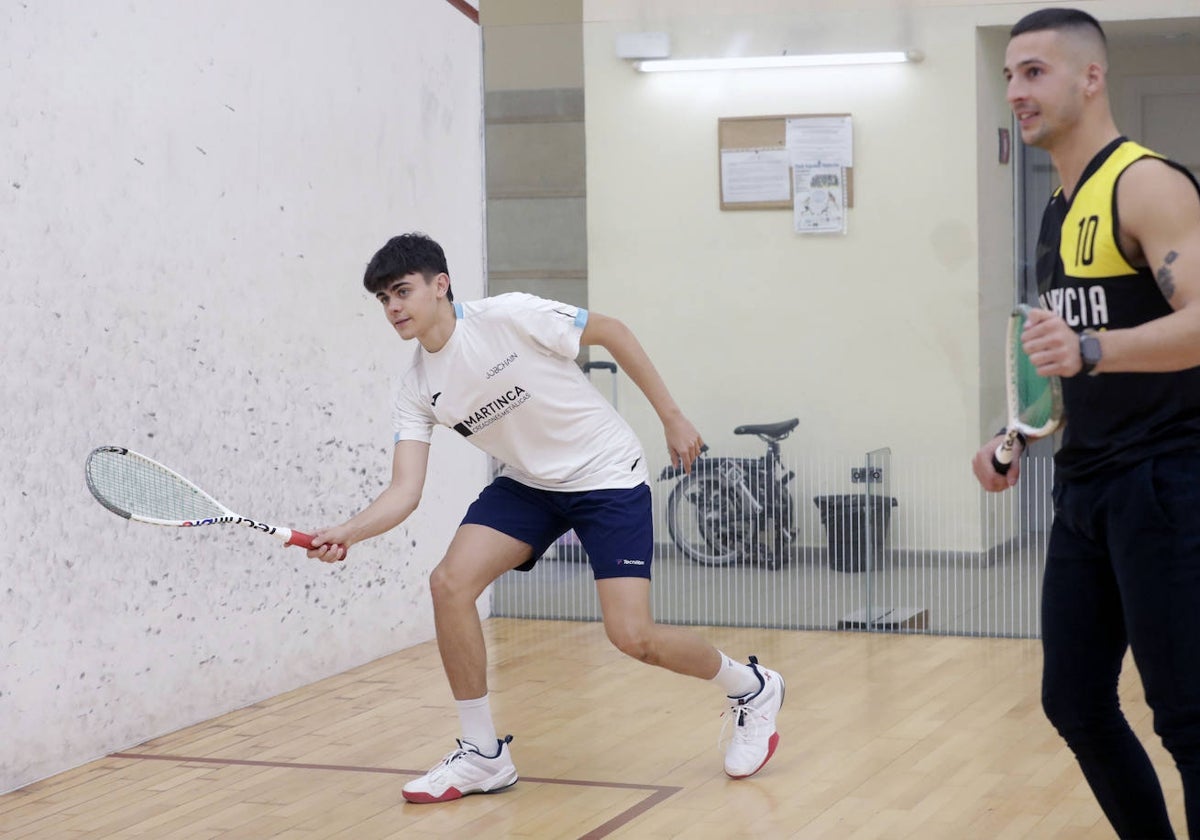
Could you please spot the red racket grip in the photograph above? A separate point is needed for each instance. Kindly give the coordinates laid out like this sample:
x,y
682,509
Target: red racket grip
x,y
303,540
299,538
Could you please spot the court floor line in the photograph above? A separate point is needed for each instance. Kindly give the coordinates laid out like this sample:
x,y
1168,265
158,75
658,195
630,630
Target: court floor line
x,y
657,794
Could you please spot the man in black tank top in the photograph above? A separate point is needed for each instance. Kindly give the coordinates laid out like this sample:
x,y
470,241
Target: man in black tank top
x,y
1119,282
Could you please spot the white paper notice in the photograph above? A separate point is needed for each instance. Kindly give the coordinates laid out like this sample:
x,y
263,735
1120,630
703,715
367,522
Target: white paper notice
x,y
820,203
752,175
820,140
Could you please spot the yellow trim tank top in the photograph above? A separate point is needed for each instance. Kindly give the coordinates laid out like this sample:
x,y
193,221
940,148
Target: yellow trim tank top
x,y
1114,420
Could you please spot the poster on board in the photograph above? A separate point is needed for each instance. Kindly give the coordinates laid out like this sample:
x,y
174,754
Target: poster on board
x,y
819,199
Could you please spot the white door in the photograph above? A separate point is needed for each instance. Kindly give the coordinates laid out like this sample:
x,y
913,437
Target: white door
x,y
1164,115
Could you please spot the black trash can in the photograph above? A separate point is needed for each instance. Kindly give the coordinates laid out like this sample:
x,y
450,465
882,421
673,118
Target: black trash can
x,y
846,525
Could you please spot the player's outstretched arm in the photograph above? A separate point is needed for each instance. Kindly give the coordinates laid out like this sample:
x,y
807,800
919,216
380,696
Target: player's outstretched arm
x,y
399,499
683,440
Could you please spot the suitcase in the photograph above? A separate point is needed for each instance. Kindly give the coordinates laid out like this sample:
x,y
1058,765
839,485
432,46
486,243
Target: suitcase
x,y
611,367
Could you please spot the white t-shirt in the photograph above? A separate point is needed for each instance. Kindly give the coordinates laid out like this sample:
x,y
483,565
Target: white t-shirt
x,y
507,381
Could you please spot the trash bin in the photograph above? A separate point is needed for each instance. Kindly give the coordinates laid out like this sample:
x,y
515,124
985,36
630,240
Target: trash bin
x,y
846,525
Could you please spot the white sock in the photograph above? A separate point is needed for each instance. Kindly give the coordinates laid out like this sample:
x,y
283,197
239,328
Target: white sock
x,y
736,679
475,718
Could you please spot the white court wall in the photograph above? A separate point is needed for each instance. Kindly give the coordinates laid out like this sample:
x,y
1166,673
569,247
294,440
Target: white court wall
x,y
190,193
879,338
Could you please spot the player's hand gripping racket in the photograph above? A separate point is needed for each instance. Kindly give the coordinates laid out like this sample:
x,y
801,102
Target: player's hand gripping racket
x,y
1034,401
141,489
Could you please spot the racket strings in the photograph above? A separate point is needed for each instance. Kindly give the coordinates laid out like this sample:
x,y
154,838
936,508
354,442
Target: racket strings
x,y
1034,401
132,486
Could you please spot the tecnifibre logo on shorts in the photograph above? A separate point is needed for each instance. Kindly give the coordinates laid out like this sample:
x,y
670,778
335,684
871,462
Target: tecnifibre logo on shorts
x,y
631,562
485,416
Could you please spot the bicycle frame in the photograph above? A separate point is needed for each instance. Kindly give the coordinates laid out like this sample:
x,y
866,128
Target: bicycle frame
x,y
735,509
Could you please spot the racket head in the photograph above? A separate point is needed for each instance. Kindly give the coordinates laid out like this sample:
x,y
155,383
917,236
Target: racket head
x,y
134,486
1035,406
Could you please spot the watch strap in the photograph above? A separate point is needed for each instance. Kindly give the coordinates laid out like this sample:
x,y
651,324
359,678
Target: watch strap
x,y
1088,360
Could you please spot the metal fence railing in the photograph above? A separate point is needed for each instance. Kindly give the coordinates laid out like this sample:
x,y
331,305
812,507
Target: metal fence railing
x,y
845,543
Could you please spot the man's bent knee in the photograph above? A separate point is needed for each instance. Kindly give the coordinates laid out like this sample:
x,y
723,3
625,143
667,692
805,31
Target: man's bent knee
x,y
1180,733
637,642
1084,718
446,585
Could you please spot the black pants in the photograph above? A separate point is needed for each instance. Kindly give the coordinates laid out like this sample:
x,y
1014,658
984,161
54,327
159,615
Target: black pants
x,y
1123,570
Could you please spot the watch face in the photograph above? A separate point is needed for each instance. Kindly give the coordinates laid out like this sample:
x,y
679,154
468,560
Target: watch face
x,y
1089,349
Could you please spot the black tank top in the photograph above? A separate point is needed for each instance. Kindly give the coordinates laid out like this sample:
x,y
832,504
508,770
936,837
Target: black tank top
x,y
1114,419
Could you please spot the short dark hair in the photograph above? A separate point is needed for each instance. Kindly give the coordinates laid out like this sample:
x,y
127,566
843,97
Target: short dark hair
x,y
404,255
1060,19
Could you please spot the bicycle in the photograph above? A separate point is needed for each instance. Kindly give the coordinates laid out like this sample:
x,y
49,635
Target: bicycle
x,y
732,510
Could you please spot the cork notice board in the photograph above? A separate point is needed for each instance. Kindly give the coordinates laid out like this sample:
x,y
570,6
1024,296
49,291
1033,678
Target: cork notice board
x,y
765,139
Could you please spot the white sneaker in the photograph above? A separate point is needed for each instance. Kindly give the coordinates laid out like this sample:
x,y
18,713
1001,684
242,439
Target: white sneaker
x,y
463,771
753,716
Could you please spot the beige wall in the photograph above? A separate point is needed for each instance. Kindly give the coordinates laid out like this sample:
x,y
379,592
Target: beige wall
x,y
881,337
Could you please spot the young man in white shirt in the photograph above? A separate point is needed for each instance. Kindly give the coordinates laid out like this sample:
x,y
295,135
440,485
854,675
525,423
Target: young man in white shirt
x,y
501,372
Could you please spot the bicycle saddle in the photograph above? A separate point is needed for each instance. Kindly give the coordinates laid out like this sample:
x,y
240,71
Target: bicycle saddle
x,y
771,430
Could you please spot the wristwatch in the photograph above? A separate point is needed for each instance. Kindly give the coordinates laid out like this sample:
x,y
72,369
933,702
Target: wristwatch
x,y
1089,351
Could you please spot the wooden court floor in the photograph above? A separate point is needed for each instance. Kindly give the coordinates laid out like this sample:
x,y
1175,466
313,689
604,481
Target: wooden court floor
x,y
882,736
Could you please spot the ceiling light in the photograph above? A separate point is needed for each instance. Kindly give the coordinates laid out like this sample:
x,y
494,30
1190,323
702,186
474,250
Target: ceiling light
x,y
769,61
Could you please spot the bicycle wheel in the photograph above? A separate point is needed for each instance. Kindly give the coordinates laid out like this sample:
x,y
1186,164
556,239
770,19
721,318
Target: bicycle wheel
x,y
705,521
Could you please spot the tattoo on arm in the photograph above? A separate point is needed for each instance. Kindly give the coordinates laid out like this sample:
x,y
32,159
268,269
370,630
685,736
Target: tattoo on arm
x,y
1164,277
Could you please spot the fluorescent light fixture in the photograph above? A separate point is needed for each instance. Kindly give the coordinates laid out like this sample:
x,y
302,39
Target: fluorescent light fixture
x,y
767,61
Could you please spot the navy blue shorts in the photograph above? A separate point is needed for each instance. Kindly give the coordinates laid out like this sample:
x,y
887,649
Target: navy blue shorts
x,y
616,527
